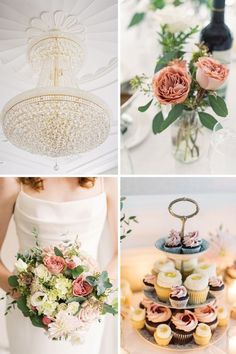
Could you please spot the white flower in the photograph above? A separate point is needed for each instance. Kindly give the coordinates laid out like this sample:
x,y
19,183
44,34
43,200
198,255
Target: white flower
x,y
64,325
63,286
48,308
42,272
21,266
89,313
73,307
38,299
178,18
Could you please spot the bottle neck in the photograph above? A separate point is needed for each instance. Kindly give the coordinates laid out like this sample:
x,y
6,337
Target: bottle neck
x,y
218,11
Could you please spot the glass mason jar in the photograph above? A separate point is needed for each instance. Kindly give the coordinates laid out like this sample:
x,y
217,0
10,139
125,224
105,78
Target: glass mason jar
x,y
187,137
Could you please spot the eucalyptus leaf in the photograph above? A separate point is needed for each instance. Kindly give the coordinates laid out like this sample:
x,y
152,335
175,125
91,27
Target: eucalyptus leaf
x,y
77,271
76,299
207,120
91,280
109,309
218,105
103,283
136,19
58,252
157,122
174,114
13,281
145,107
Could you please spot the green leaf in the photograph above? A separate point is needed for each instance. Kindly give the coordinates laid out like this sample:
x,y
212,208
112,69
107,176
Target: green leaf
x,y
166,58
13,281
157,122
109,309
207,120
77,271
103,283
175,113
145,108
137,18
158,4
218,105
91,280
58,252
76,299
21,304
37,321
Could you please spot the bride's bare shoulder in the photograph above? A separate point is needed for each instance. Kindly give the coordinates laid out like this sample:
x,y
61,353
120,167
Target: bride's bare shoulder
x,y
9,187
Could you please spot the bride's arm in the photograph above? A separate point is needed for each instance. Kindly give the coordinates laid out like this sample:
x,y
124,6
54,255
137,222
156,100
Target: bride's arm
x,y
9,188
111,189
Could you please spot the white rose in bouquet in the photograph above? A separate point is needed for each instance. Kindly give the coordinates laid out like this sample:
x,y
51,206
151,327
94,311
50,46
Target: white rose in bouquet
x,y
21,266
178,18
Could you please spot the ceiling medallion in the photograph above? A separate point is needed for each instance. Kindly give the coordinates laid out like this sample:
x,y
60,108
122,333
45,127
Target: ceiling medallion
x,y
56,118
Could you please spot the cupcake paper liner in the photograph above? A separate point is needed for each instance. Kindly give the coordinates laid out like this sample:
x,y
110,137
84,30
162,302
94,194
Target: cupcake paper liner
x,y
182,339
162,293
178,303
201,340
173,249
191,250
197,297
162,341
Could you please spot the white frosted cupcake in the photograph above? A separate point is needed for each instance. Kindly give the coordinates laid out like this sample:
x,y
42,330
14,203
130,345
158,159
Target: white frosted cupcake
x,y
163,335
163,266
207,315
223,316
188,267
165,281
197,287
203,334
207,269
178,296
138,318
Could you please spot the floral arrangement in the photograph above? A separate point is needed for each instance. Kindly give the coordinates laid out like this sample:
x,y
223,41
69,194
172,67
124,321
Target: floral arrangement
x,y
187,84
125,221
61,290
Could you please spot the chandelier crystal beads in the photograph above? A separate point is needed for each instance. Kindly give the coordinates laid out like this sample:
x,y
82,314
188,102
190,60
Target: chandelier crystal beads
x,y
56,118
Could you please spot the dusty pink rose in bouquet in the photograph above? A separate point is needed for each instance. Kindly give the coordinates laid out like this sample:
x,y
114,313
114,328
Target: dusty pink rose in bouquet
x,y
55,264
171,84
211,74
81,287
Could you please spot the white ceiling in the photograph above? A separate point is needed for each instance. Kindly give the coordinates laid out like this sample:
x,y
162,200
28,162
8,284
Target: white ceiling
x,y
98,75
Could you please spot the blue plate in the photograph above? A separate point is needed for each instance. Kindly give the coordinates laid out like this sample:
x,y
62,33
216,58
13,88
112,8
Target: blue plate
x,y
159,244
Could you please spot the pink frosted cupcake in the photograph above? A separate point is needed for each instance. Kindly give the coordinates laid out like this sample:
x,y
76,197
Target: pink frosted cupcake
x,y
191,243
149,280
183,325
207,315
156,315
216,287
173,242
178,296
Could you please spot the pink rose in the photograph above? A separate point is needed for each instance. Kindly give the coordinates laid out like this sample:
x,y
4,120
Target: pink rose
x,y
55,264
210,73
70,264
46,320
171,84
81,287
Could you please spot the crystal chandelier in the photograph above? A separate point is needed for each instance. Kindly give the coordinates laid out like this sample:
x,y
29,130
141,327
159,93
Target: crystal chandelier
x,y
56,118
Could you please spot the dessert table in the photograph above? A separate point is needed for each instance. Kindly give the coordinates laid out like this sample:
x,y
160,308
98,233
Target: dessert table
x,y
145,152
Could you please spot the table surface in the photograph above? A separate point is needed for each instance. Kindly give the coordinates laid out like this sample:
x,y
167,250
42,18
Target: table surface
x,y
153,155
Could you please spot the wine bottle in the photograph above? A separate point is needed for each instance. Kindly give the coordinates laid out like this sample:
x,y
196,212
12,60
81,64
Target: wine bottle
x,y
217,36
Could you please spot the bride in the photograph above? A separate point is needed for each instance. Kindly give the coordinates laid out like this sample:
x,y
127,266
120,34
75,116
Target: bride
x,y
59,208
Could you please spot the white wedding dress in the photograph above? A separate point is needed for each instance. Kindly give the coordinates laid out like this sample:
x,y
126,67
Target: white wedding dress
x,y
56,222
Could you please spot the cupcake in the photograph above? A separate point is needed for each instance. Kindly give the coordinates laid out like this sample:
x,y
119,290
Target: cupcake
x,y
183,325
197,287
156,315
207,269
163,266
126,293
145,303
207,315
216,287
173,242
191,243
138,318
203,335
178,296
163,335
149,281
222,316
188,267
165,281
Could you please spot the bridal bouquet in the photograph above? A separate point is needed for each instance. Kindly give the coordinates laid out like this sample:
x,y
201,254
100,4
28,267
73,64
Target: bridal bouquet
x,y
61,290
